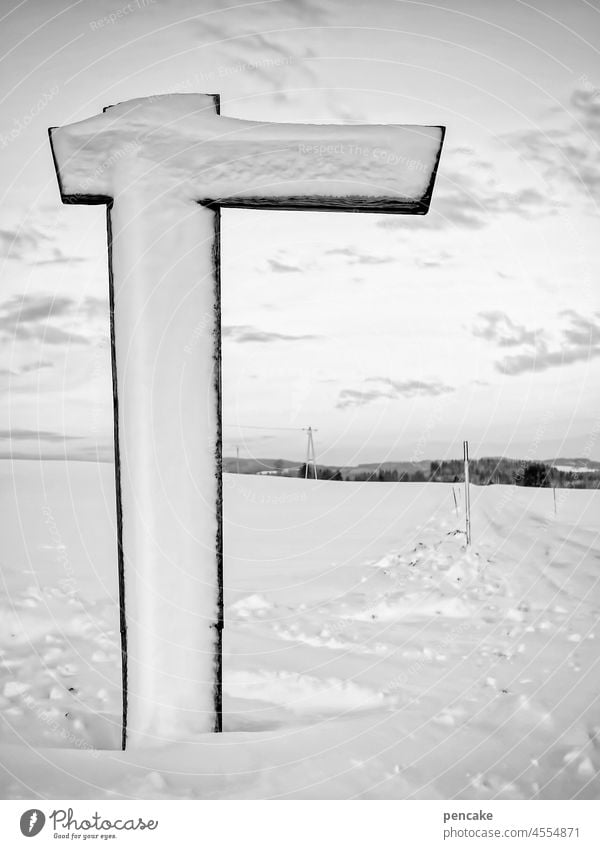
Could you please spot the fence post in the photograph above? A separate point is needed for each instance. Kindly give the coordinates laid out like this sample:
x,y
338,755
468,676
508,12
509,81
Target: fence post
x,y
467,494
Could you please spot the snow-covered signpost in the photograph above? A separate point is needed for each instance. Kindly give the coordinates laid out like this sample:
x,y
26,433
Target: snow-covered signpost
x,y
165,166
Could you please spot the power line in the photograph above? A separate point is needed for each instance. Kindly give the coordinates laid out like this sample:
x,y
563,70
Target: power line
x,y
311,459
260,427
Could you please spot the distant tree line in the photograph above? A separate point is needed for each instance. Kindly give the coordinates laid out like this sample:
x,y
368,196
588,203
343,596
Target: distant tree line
x,y
500,470
324,473
389,476
385,475
483,472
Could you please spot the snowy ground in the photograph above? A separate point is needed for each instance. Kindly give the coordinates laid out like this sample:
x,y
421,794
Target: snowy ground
x,y
368,654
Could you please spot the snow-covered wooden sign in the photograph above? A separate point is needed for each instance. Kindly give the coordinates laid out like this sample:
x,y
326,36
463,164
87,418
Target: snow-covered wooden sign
x,y
165,166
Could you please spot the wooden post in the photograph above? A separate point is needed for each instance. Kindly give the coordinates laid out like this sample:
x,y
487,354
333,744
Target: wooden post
x,y
467,493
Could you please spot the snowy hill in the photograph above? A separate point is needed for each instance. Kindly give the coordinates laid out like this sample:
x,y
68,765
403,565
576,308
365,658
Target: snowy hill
x,y
367,652
579,464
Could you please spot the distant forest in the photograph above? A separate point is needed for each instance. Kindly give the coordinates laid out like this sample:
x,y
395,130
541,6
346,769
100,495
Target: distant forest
x,y
490,470
483,472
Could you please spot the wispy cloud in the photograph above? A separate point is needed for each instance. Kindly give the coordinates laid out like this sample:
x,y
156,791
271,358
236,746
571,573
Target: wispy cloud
x,y
496,326
24,434
583,330
578,341
268,47
429,262
283,267
34,244
384,388
26,368
566,155
247,333
246,46
468,197
92,307
37,317
543,358
355,257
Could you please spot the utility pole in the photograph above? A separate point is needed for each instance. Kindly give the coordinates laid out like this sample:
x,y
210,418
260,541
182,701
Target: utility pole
x,y
467,493
310,453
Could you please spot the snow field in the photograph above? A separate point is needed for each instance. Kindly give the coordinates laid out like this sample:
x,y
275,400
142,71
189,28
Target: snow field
x,y
367,652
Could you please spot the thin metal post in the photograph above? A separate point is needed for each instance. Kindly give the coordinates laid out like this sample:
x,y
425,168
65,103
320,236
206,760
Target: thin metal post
x,y
467,493
307,454
314,456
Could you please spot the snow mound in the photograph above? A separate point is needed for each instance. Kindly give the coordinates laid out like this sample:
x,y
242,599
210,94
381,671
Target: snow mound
x,y
302,693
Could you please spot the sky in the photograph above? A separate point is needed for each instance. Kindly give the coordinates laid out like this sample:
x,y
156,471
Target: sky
x,y
395,337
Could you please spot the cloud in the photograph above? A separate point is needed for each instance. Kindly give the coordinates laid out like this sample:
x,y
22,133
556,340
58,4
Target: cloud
x,y
391,390
270,47
57,259
462,199
23,434
20,243
247,333
586,105
358,397
543,359
427,263
36,366
495,326
26,368
93,307
583,331
437,260
33,243
356,258
566,156
282,267
34,317
25,444
251,45
579,341
30,309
